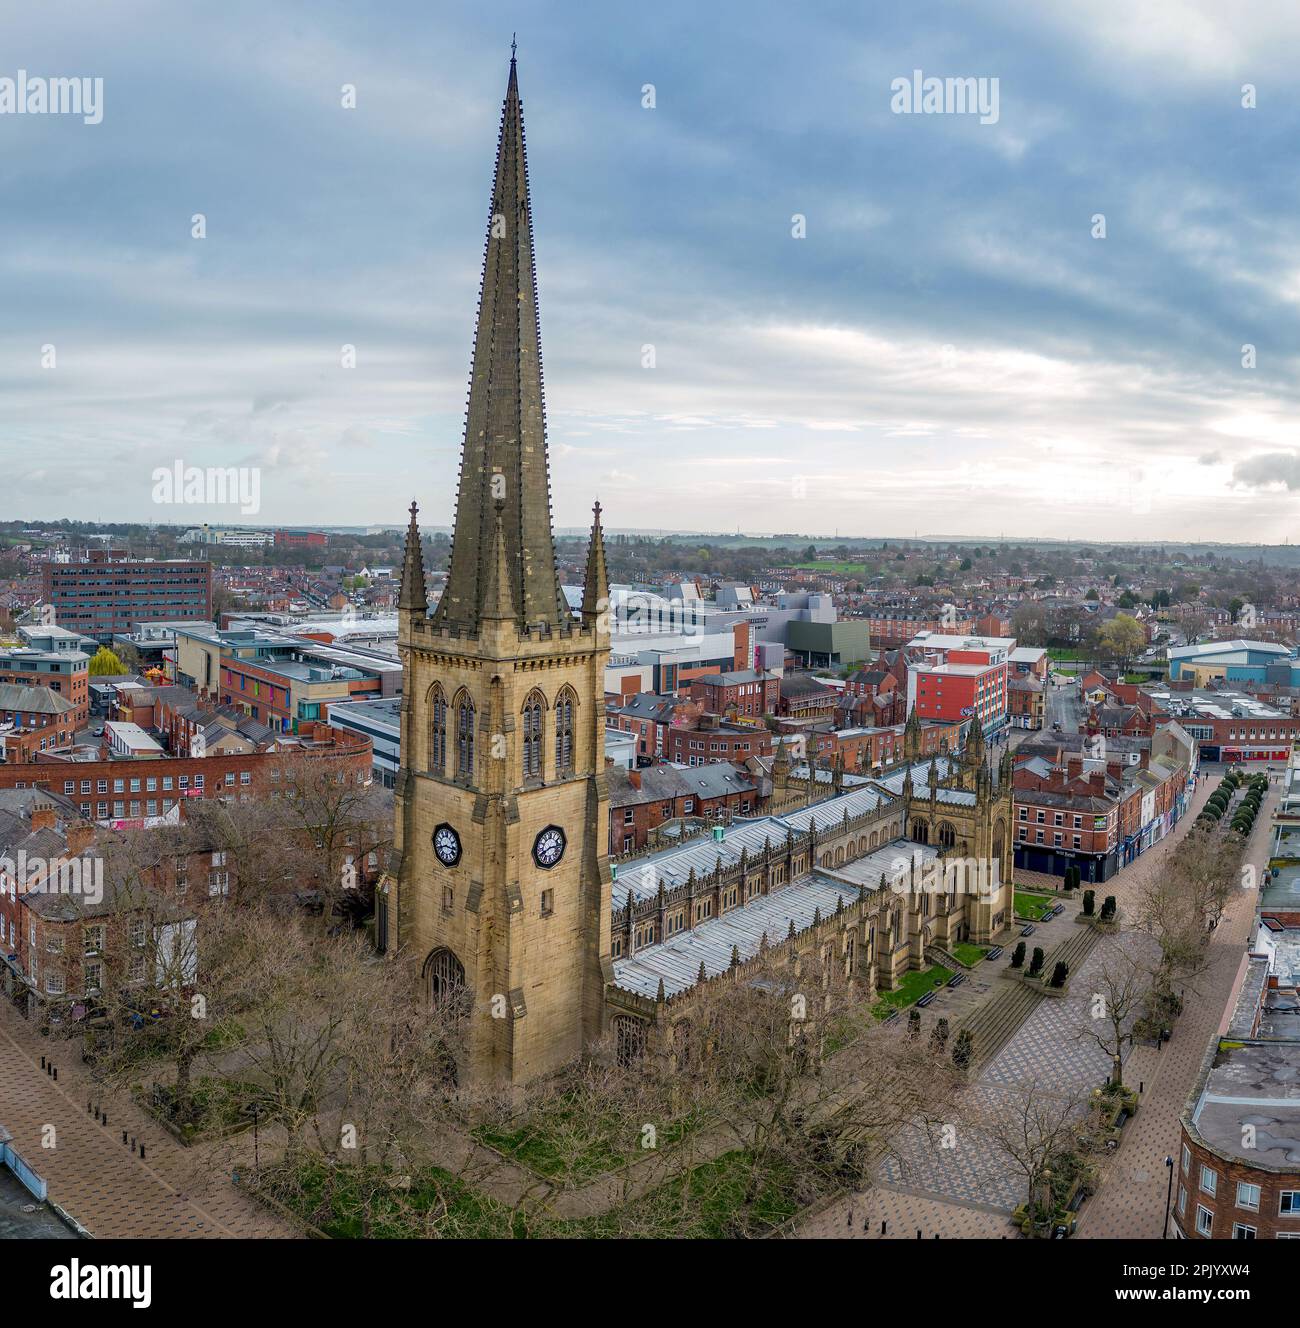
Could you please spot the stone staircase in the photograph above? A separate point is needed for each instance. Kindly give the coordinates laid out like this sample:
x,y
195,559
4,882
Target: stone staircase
x,y
936,954
996,1022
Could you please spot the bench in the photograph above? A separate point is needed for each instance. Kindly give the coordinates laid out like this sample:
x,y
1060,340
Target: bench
x,y
994,953
1027,930
889,1018
926,999
957,979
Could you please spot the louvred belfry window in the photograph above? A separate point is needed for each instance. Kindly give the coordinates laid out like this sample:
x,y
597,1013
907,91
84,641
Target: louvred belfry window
x,y
564,734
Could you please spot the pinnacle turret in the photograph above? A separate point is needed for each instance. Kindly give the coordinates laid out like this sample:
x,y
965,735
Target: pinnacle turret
x,y
595,590
414,597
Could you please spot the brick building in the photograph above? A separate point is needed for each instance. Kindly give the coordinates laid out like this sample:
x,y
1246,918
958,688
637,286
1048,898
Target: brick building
x,y
104,592
1237,1177
66,672
128,793
642,800
803,697
1026,702
1098,809
890,628
953,677
741,692
707,739
649,717
33,720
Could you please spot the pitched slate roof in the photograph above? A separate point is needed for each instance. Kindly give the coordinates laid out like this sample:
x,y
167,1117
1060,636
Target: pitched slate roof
x,y
33,700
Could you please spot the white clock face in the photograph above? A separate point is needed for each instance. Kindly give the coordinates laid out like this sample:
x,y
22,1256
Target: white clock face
x,y
446,844
548,847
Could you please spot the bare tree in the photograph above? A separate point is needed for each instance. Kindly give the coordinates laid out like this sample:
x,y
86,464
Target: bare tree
x,y
1179,906
794,1066
1038,1132
1123,987
341,829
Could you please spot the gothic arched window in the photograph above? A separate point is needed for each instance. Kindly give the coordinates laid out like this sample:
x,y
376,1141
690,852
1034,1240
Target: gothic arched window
x,y
533,708
446,975
947,835
437,731
465,738
629,1036
564,734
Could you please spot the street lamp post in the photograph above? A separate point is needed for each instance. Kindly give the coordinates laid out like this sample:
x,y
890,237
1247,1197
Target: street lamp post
x,y
1169,1193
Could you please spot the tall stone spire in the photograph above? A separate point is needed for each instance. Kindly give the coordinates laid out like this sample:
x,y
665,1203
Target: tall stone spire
x,y
595,590
504,458
498,602
413,598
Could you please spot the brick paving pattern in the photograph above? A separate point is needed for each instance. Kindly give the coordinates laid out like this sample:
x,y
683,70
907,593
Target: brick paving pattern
x,y
968,1191
176,1192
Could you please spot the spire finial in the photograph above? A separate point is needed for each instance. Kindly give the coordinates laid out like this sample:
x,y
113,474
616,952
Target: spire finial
x,y
512,47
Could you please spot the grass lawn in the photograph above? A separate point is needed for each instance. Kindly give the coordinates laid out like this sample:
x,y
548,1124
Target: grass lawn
x,y
911,988
337,1200
1064,652
566,1141
1032,906
349,1203
969,954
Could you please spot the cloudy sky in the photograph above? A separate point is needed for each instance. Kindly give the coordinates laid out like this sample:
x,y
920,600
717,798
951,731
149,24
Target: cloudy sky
x,y
947,350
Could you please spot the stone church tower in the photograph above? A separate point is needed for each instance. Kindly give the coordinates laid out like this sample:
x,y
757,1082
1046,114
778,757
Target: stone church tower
x,y
500,889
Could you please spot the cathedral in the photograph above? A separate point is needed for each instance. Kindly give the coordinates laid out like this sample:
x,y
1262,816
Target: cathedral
x,y
502,882
501,888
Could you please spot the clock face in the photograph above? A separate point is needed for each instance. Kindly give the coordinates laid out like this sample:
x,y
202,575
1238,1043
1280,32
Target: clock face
x,y
548,847
446,844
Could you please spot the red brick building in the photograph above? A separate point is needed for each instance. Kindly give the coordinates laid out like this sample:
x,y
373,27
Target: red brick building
x,y
708,740
66,672
300,539
33,720
131,793
951,677
1236,1177
104,592
745,692
891,628
642,800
